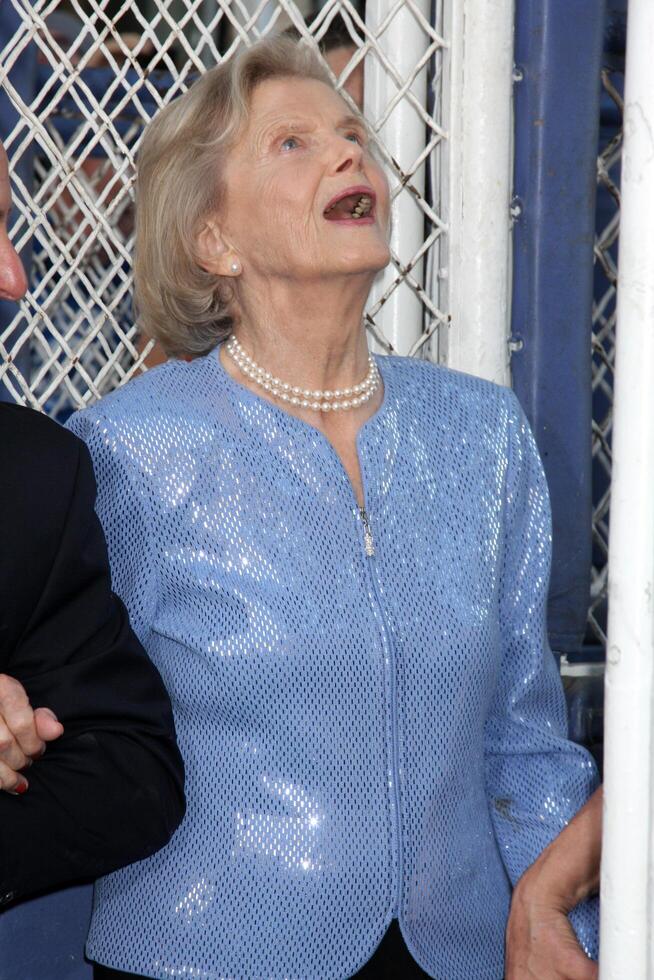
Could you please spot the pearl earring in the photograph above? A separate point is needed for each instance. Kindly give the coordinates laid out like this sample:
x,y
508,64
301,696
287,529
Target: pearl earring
x,y
235,266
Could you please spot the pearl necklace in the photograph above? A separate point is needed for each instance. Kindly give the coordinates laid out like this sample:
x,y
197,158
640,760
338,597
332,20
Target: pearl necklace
x,y
341,399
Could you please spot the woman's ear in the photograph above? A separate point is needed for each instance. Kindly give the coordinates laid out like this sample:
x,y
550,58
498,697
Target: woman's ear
x,y
213,253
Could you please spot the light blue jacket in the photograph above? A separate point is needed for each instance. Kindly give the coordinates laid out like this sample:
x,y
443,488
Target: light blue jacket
x,y
365,736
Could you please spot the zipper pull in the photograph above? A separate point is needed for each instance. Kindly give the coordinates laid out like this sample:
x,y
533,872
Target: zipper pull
x,y
368,540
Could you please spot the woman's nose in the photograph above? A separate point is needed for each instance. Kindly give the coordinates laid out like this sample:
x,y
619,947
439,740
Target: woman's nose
x,y
13,282
348,156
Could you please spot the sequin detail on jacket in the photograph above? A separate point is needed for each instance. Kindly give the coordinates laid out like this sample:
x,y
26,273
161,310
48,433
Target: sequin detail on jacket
x,y
367,731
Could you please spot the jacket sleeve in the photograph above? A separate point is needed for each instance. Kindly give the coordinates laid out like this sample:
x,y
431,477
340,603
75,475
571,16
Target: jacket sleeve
x,y
536,778
110,790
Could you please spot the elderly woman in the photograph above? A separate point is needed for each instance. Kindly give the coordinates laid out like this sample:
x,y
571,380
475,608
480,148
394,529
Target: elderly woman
x,y
338,563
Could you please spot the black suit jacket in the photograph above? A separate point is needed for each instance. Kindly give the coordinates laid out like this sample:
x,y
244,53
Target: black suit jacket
x,y
110,790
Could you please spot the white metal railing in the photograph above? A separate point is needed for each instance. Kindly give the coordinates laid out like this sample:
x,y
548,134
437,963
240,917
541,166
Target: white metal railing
x,y
627,917
473,280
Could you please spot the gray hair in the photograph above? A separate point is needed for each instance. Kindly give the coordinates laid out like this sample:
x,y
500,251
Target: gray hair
x,y
187,309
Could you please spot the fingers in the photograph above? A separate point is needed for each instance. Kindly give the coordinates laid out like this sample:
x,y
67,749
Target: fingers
x,y
579,967
575,966
17,718
11,781
48,726
23,734
537,968
11,754
541,945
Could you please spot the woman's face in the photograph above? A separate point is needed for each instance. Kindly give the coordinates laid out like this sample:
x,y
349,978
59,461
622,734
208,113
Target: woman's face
x,y
301,152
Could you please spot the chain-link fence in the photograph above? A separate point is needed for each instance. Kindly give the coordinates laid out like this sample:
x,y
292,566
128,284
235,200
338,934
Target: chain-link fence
x,y
97,73
603,342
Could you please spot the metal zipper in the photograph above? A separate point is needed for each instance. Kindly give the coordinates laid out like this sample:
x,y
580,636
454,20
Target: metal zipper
x,y
369,545
368,540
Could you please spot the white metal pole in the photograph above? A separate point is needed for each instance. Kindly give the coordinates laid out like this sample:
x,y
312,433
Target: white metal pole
x,y
473,281
627,915
403,42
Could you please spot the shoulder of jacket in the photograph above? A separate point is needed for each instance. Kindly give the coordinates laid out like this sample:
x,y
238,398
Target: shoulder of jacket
x,y
141,398
428,378
149,417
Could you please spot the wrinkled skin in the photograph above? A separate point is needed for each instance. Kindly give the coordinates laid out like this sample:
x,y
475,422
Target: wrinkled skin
x,y
541,945
301,146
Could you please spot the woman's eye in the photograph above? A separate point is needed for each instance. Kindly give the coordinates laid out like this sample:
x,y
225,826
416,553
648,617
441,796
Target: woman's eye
x,y
354,138
290,143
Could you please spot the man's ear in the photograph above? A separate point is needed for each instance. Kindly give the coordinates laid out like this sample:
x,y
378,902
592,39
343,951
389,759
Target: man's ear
x,y
213,253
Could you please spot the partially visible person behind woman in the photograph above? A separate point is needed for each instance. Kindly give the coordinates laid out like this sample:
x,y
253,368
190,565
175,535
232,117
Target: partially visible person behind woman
x,y
339,564
338,48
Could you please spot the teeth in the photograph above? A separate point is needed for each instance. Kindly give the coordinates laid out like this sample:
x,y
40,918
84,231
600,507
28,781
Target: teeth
x,y
362,207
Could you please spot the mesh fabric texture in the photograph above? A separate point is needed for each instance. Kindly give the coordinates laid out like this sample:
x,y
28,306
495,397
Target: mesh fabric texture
x,y
364,737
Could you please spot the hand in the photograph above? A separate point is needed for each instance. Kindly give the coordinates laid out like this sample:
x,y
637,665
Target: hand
x,y
541,944
24,733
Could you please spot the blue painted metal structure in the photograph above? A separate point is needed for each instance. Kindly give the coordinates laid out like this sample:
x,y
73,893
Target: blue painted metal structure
x,y
43,939
558,52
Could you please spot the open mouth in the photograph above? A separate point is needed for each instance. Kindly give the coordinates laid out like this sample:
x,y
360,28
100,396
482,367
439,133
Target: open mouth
x,y
356,204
